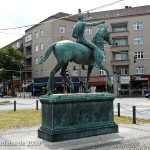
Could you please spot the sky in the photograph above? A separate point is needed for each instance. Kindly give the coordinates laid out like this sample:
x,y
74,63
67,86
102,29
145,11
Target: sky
x,y
16,13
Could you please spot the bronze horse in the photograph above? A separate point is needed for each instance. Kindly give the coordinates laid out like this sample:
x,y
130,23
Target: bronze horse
x,y
66,51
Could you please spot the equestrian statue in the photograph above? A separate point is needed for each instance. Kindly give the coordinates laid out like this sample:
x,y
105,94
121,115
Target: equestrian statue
x,y
82,52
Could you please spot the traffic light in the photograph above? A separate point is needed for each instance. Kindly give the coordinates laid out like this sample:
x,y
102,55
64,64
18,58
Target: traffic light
x,y
135,58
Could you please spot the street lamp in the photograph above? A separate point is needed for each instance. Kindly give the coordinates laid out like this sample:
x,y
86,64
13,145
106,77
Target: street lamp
x,y
20,71
116,81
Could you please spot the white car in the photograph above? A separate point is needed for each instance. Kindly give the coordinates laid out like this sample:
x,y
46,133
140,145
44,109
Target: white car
x,y
147,95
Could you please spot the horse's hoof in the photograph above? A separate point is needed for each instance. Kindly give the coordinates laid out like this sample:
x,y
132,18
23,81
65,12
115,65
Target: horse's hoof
x,y
87,91
49,93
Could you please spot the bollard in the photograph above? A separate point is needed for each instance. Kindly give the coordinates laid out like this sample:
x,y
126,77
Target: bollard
x,y
14,105
134,114
36,104
118,104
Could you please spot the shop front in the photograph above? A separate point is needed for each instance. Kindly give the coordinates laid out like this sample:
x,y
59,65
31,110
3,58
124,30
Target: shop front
x,y
98,84
139,84
140,81
59,86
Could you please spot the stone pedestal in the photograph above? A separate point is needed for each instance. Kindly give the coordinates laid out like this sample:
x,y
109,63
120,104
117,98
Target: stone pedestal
x,y
72,116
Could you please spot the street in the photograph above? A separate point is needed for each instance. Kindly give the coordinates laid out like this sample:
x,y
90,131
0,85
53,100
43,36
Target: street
x,y
21,103
142,105
126,105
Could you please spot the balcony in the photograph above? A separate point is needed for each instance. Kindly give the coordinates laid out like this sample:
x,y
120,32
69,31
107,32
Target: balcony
x,y
28,55
28,43
120,62
119,34
28,67
120,48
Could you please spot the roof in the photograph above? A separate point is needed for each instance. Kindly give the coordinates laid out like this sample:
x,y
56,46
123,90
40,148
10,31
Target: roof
x,y
126,12
56,16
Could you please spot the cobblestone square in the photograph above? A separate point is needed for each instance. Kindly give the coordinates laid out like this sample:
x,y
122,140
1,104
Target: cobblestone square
x,y
129,137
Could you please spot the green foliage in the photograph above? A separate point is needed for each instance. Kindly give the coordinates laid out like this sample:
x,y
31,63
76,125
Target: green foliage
x,y
10,59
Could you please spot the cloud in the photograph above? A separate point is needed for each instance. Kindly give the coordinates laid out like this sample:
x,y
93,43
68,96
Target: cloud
x,y
15,13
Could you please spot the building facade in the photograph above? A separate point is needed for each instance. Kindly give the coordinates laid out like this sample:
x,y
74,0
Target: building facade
x,y
130,30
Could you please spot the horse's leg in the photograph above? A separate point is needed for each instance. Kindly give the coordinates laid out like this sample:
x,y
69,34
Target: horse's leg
x,y
101,66
86,90
50,80
63,74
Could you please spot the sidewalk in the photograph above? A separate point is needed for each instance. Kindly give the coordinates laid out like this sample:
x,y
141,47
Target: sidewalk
x,y
135,137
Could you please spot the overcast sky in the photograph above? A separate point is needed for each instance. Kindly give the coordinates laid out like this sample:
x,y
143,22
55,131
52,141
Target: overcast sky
x,y
14,13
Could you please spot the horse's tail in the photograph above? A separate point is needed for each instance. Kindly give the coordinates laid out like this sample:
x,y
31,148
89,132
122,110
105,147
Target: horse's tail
x,y
47,54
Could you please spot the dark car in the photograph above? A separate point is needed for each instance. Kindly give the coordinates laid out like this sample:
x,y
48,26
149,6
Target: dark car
x,y
1,94
147,95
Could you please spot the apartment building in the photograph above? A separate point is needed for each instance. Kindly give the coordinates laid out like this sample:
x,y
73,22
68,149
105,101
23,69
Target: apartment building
x,y
17,44
130,30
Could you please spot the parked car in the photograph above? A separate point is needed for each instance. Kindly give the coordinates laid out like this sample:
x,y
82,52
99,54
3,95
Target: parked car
x,y
147,95
1,94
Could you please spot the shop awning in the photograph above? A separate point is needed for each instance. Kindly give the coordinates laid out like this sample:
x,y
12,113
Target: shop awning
x,y
98,81
38,84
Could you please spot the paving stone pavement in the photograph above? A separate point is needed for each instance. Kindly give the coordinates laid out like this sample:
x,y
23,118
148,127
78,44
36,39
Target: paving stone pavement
x,y
130,137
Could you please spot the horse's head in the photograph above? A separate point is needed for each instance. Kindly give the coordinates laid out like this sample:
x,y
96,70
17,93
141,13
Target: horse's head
x,y
107,36
101,36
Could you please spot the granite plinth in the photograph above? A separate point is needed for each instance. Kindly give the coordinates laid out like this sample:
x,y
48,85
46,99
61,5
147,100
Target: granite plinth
x,y
72,116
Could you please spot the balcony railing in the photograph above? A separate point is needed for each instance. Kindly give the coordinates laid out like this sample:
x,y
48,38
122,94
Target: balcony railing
x,y
120,62
120,47
120,33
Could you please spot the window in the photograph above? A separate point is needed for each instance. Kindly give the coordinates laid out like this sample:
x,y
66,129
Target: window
x,y
88,31
102,72
17,44
41,32
120,42
36,35
138,41
138,26
139,70
62,29
36,48
121,56
124,71
139,55
28,38
76,73
41,46
119,28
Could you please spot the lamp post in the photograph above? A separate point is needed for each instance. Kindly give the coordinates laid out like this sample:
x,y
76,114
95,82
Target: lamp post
x,y
20,71
116,81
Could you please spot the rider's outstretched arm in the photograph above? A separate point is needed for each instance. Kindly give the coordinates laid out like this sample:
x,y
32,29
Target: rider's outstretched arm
x,y
95,23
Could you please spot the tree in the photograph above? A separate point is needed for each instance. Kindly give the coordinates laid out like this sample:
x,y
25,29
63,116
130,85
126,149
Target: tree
x,y
11,63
